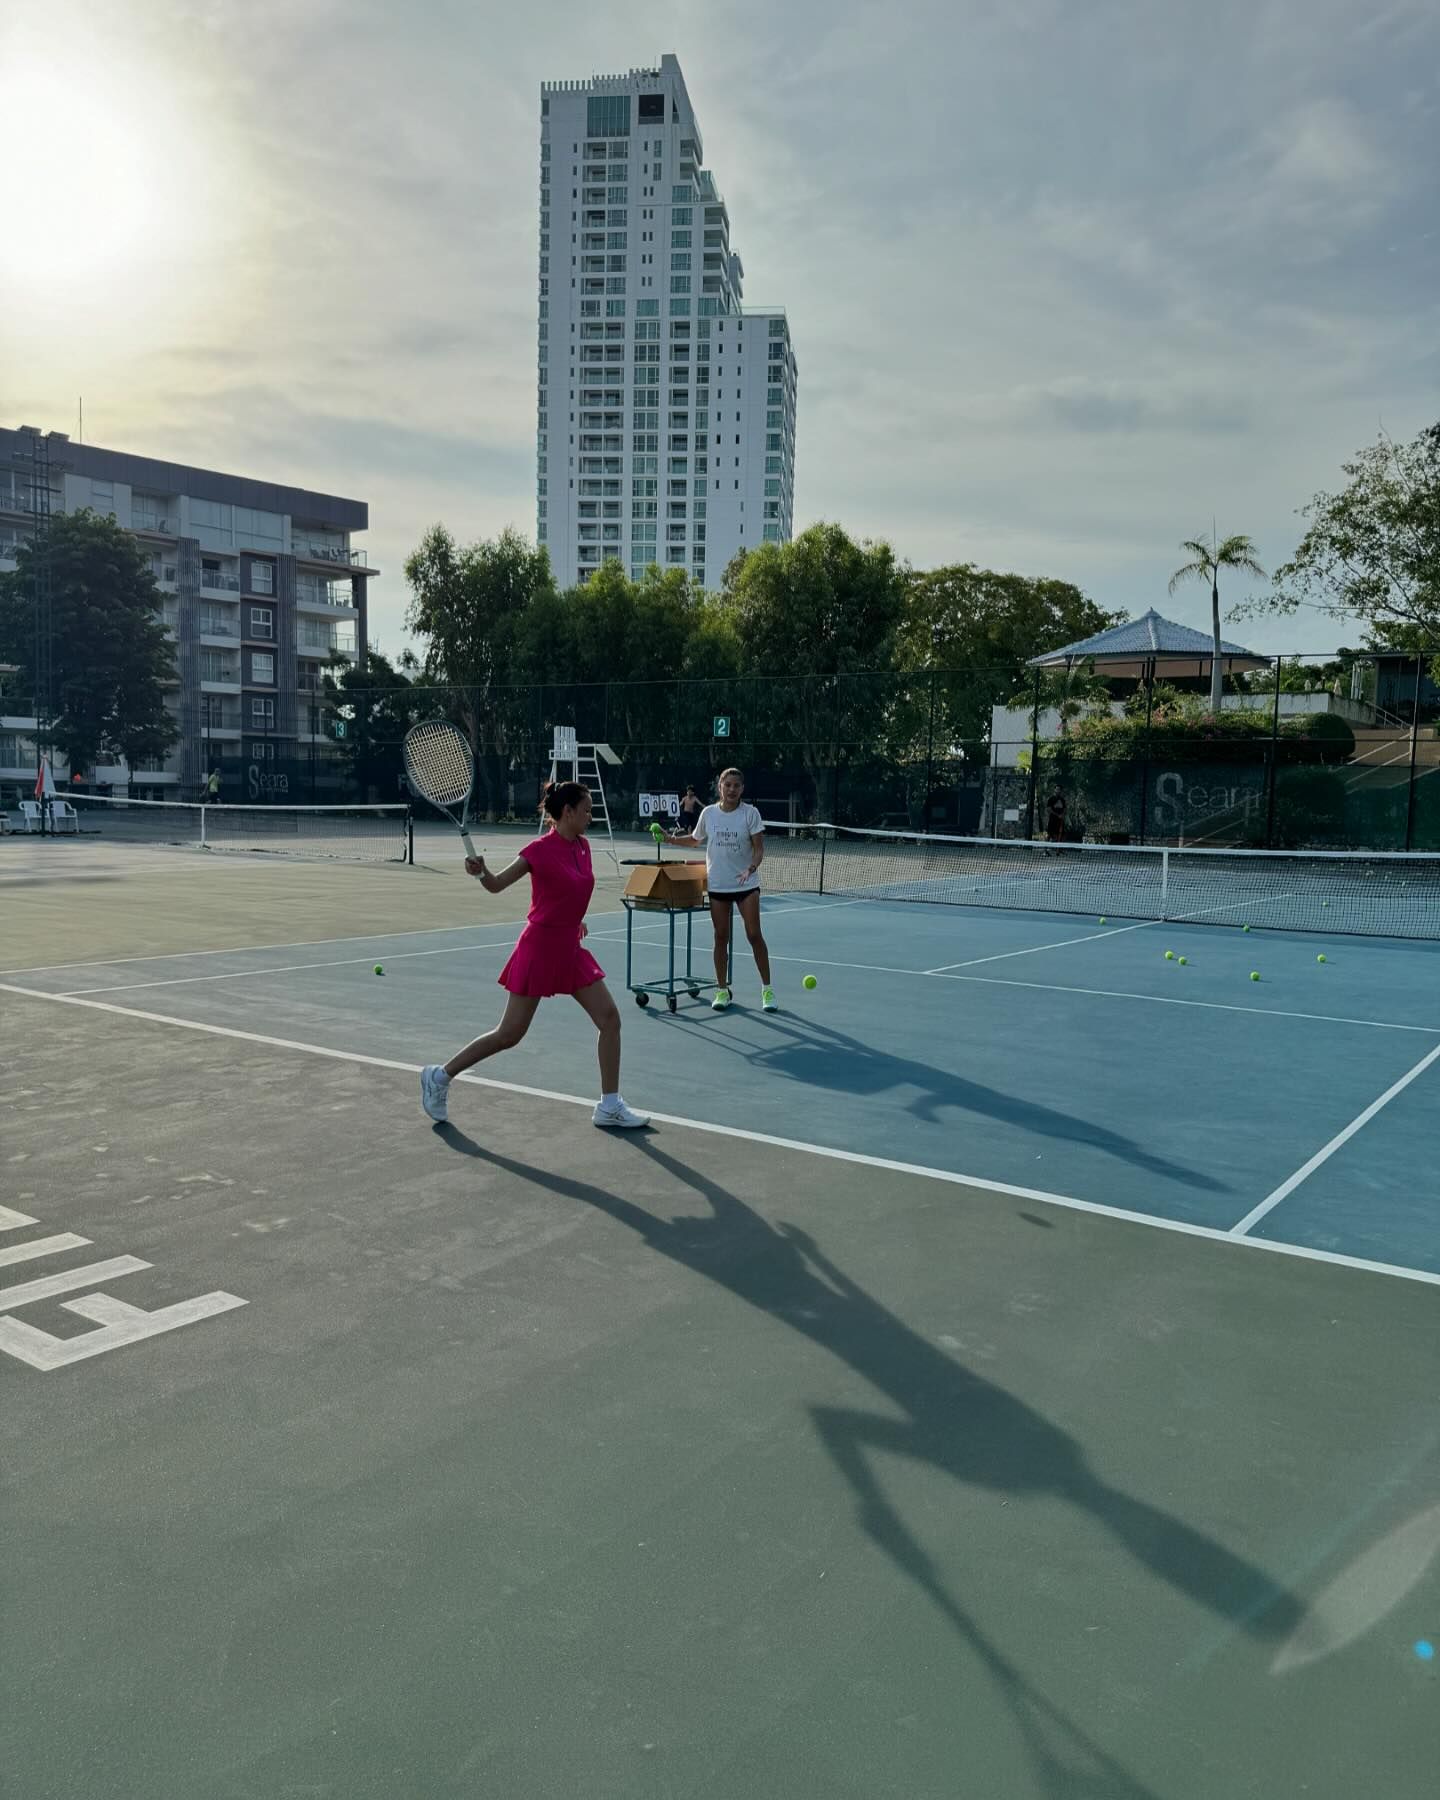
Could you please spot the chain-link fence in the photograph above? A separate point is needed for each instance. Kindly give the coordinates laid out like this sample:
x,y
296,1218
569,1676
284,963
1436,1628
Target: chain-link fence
x,y
1309,752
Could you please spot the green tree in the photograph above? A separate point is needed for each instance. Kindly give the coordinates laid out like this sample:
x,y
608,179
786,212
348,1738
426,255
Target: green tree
x,y
367,712
810,619
466,604
1372,551
111,656
978,629
1206,562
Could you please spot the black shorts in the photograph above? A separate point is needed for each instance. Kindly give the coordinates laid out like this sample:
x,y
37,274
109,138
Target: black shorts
x,y
734,899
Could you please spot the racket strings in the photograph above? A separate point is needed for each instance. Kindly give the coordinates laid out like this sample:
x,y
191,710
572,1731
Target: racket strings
x,y
437,761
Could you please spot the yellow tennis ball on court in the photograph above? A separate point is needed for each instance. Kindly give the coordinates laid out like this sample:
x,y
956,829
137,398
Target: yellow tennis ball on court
x,y
1254,974
1183,961
1103,921
1244,927
378,969
809,982
1320,958
1169,956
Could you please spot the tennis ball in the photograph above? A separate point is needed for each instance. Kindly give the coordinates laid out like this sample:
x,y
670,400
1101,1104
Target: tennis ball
x,y
1183,961
1254,974
656,832
809,982
1320,958
379,970
1169,956
1102,921
1244,927
1324,902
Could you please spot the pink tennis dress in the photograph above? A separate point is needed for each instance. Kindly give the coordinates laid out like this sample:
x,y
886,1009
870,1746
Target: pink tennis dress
x,y
549,958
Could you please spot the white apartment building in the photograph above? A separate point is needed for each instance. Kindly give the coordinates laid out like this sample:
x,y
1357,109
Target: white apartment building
x,y
666,421
259,584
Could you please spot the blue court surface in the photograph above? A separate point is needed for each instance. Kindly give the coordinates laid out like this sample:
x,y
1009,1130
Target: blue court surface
x,y
1064,1059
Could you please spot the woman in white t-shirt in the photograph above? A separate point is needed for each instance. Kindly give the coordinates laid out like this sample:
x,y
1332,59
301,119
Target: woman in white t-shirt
x,y
733,837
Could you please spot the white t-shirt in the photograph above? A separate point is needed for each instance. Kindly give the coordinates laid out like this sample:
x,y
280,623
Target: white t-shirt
x,y
726,837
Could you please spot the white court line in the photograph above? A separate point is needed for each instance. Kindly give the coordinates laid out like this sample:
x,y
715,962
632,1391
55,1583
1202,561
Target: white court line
x,y
1034,949
1116,931
369,937
1271,1201
1058,987
922,1171
345,962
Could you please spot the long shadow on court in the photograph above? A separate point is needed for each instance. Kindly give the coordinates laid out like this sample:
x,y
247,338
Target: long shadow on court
x,y
954,1420
818,1055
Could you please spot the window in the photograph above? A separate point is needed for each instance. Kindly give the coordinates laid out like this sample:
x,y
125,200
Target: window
x,y
262,578
646,308
262,667
680,284
680,259
614,309
614,284
262,622
262,715
680,309
617,196
680,240
608,115
682,192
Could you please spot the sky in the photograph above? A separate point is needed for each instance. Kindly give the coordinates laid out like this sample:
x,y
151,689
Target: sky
x,y
1067,279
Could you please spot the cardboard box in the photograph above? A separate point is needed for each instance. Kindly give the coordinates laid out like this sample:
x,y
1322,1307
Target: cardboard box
x,y
668,885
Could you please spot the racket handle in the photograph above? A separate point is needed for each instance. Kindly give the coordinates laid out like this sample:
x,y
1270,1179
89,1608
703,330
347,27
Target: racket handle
x,y
468,842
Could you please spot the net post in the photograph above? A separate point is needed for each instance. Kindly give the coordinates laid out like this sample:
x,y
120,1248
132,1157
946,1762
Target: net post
x,y
1414,747
1274,760
1034,758
1165,882
410,837
202,826
821,888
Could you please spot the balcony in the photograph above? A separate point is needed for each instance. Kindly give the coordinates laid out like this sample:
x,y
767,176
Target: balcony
x,y
310,642
156,524
218,581
312,550
310,591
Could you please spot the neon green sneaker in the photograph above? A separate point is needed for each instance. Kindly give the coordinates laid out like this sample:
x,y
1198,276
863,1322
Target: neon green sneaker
x,y
721,1000
768,1002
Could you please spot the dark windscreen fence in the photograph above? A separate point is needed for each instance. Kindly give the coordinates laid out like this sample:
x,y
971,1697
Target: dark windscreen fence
x,y
1341,892
336,833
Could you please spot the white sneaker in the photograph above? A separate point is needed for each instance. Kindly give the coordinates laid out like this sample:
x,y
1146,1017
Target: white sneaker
x,y
768,1002
617,1116
721,1000
434,1092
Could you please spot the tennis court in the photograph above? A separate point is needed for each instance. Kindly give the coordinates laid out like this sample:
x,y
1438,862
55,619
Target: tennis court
x,y
1008,1369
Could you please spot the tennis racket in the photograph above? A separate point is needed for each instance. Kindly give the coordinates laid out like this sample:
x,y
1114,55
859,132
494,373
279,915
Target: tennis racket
x,y
437,761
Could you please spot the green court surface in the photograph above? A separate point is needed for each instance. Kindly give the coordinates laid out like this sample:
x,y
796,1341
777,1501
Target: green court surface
x,y
516,1459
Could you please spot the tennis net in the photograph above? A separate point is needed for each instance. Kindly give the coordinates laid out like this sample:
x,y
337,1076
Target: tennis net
x,y
341,833
1371,894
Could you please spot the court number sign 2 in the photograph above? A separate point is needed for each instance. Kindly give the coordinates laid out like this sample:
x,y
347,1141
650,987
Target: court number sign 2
x,y
722,725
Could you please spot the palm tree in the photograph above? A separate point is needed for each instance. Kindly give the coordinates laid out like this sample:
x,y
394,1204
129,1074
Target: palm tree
x,y
1206,562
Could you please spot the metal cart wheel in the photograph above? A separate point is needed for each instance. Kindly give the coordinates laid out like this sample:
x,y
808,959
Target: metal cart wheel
x,y
671,1001
694,993
642,999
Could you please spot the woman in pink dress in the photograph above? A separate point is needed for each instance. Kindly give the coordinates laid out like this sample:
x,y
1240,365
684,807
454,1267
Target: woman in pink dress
x,y
549,958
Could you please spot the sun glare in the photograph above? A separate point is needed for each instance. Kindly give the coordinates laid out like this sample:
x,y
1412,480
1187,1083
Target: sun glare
x,y
103,174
